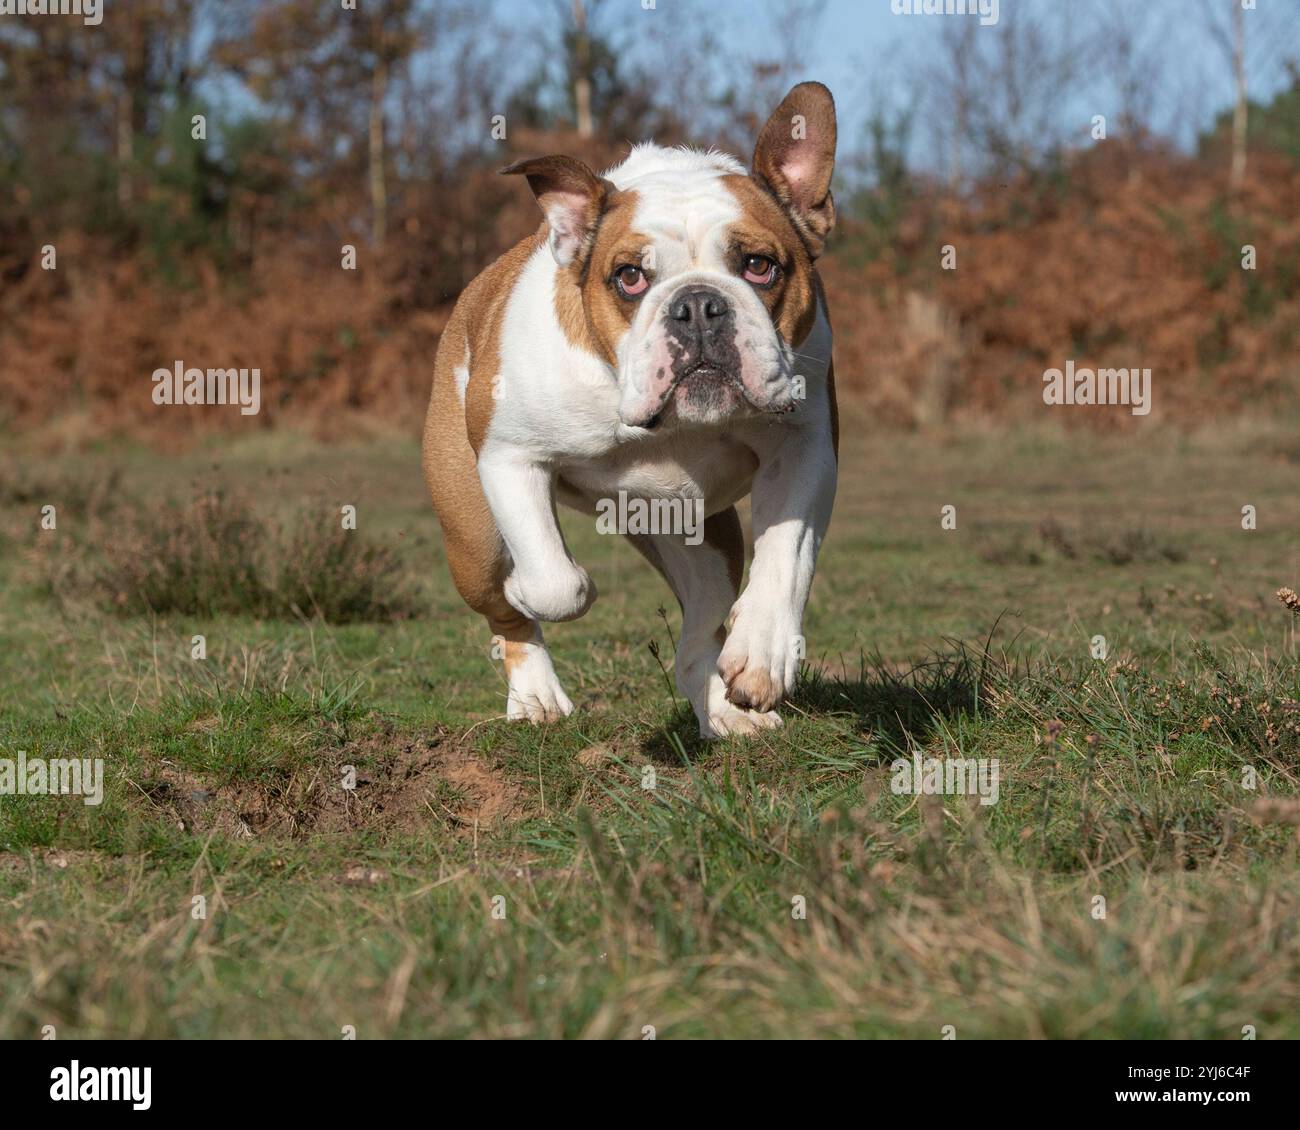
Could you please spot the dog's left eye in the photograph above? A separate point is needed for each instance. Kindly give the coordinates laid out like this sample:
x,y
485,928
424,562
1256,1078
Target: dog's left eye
x,y
631,281
759,270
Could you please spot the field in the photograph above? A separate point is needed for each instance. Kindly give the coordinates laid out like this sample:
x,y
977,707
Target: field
x,y
610,876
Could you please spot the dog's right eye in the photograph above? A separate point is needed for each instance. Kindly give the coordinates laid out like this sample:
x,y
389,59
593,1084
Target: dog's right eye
x,y
631,281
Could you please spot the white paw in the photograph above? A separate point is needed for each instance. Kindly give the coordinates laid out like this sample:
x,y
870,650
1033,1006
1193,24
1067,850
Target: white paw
x,y
564,593
731,721
535,691
721,719
760,660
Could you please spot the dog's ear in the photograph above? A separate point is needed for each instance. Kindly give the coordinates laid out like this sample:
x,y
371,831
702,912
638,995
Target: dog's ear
x,y
572,198
795,156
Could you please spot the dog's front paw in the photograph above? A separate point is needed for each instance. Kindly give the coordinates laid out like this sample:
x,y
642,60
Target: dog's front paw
x,y
536,696
561,594
760,659
728,721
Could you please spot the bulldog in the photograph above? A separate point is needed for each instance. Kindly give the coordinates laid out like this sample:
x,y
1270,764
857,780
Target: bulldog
x,y
664,333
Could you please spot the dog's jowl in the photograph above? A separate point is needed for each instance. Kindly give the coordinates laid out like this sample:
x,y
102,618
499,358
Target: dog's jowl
x,y
663,336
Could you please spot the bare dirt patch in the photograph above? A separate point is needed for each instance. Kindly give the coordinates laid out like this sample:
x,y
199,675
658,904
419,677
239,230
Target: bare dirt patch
x,y
56,859
402,783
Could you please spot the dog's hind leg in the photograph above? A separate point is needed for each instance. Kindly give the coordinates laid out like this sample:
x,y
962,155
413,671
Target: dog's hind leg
x,y
705,578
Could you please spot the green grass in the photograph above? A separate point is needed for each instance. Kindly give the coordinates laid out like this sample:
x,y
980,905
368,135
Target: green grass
x,y
609,873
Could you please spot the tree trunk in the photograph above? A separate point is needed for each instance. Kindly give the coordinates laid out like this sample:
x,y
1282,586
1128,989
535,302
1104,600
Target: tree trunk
x,y
125,147
1239,121
378,181
582,72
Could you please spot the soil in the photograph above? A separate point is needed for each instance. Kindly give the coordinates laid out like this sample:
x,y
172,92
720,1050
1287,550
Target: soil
x,y
403,784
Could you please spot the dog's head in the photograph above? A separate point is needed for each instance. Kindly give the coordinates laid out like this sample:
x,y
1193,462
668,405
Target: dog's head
x,y
691,278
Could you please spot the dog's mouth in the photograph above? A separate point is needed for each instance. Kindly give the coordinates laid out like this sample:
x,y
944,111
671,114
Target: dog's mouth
x,y
705,389
708,371
709,384
708,380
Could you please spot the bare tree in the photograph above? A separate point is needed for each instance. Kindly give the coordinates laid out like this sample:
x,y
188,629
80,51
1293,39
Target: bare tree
x,y
1003,91
1227,26
581,71
1239,108
1134,46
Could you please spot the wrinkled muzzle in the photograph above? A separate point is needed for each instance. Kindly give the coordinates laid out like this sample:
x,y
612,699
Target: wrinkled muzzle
x,y
703,349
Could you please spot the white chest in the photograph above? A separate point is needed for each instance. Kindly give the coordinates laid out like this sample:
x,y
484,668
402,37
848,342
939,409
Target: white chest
x,y
714,467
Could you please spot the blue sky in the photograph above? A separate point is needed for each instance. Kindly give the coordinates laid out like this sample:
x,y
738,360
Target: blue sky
x,y
873,59
868,55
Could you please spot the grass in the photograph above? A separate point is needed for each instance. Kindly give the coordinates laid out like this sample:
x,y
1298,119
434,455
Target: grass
x,y
213,555
610,876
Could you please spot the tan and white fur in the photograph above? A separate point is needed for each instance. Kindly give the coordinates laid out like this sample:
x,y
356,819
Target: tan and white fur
x,y
664,333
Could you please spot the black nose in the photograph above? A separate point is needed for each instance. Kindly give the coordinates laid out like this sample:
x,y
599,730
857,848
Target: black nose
x,y
701,308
